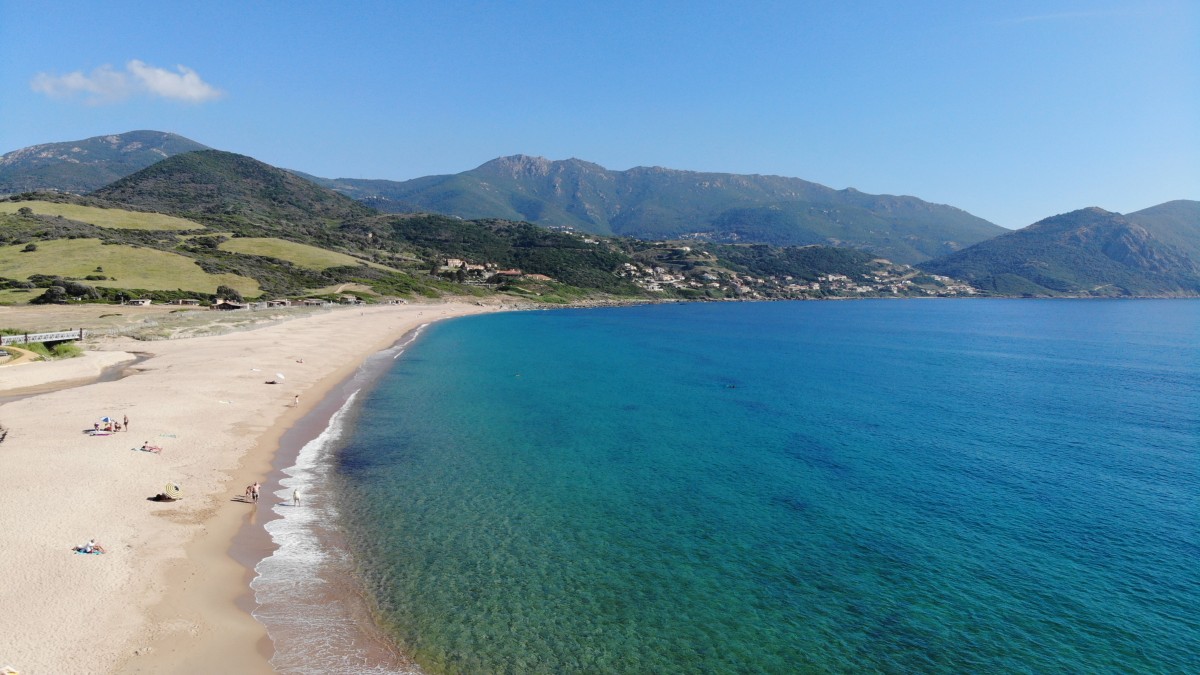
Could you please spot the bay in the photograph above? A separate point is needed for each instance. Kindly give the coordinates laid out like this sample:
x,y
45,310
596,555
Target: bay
x,y
899,486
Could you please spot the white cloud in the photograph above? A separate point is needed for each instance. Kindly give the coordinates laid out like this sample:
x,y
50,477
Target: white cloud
x,y
185,85
107,85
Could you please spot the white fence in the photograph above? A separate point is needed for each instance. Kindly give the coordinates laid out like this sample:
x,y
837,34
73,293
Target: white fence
x,y
60,336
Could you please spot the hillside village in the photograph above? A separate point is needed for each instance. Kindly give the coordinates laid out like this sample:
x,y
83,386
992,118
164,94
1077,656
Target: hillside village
x,y
888,281
679,271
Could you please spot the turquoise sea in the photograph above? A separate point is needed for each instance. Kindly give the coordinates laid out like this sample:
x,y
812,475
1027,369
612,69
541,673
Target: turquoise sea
x,y
873,486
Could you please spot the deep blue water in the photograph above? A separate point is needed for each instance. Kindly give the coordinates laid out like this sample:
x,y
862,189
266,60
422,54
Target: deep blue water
x,y
888,486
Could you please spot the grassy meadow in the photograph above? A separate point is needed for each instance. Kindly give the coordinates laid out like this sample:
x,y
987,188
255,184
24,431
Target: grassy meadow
x,y
125,267
301,255
113,218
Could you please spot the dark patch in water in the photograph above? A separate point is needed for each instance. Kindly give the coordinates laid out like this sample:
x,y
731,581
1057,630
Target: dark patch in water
x,y
793,503
815,454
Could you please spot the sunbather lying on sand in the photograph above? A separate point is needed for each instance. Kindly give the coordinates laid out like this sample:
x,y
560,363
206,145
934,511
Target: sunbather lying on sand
x,y
150,448
92,546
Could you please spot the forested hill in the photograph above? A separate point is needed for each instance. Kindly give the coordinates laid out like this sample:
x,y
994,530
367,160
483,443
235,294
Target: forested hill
x,y
233,191
1088,252
659,203
1176,223
83,166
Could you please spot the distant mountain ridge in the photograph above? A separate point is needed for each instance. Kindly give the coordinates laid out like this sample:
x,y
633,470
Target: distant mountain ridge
x,y
1154,251
643,202
255,215
660,203
83,166
1091,251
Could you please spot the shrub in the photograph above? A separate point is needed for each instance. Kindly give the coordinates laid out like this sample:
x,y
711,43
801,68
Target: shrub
x,y
37,348
29,248
78,290
55,295
229,293
67,350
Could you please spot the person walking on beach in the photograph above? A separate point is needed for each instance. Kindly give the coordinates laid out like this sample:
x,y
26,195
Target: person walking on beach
x,y
126,422
296,497
254,492
296,400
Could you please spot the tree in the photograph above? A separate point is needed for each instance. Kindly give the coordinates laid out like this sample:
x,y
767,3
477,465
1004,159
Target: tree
x,y
55,295
229,293
75,289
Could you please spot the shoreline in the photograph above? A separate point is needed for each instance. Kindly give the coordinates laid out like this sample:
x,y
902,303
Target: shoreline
x,y
319,434
173,594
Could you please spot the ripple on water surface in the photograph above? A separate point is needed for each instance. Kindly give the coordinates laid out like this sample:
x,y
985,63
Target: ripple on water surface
x,y
895,486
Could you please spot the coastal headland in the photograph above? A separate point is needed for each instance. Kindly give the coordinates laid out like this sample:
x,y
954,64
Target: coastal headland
x,y
171,592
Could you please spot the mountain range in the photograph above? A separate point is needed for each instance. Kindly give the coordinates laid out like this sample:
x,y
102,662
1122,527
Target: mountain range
x,y
659,203
83,166
213,219
646,203
1090,252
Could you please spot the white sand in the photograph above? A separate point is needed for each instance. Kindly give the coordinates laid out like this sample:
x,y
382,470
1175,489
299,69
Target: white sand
x,y
162,598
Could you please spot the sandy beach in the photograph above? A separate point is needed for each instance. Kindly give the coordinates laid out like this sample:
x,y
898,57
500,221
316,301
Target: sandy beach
x,y
171,593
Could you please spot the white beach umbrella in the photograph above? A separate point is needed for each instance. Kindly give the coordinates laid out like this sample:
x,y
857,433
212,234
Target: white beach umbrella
x,y
279,376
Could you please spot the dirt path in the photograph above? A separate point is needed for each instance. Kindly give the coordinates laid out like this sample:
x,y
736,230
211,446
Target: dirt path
x,y
22,356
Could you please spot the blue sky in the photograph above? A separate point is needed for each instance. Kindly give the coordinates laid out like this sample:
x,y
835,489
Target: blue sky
x,y
1014,111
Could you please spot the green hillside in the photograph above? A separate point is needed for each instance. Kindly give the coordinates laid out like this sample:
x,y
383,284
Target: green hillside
x,y
302,255
101,217
233,192
1176,223
85,165
658,203
117,266
165,264
904,236
1089,252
